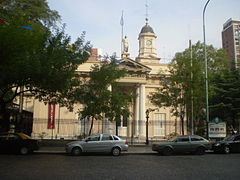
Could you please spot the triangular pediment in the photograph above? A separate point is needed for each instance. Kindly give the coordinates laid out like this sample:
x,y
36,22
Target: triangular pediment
x,y
133,66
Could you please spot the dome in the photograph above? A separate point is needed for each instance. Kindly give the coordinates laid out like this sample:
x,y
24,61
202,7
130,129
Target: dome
x,y
147,29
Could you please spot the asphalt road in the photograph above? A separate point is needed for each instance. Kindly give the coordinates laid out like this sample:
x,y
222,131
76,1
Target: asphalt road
x,y
139,167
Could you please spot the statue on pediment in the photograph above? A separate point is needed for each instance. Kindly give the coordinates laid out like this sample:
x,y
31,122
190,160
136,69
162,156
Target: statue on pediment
x,y
125,45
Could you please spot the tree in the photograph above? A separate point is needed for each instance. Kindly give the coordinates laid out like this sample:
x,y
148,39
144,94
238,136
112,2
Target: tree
x,y
99,99
185,83
33,57
36,11
225,102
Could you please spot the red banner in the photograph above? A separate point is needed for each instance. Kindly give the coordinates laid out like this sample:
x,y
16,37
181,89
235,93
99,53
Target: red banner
x,y
51,116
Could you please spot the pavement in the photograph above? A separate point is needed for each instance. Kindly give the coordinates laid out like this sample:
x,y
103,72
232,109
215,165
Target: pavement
x,y
133,149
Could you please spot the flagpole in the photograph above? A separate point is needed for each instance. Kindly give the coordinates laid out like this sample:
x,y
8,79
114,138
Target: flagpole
x,y
121,22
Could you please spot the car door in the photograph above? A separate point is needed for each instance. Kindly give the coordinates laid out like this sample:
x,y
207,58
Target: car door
x,y
14,142
106,143
235,144
197,142
182,144
91,144
3,143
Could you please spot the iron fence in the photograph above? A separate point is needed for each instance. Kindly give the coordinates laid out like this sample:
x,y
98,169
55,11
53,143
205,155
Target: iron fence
x,y
134,131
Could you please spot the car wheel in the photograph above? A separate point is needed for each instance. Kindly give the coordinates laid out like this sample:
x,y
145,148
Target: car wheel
x,y
24,151
116,151
167,151
76,151
226,149
200,151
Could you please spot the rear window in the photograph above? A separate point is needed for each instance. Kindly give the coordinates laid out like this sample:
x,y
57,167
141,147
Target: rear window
x,y
197,139
115,138
3,137
106,137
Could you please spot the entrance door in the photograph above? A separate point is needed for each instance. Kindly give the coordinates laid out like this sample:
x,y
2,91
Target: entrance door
x,y
159,124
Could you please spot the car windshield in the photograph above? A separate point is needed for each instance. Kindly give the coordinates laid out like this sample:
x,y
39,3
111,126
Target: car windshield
x,y
229,138
24,136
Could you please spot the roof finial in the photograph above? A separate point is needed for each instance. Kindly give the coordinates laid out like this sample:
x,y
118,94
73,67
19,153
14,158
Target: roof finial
x,y
146,5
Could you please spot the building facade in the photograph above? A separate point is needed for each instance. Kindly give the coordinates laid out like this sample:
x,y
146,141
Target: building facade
x,y
142,79
231,40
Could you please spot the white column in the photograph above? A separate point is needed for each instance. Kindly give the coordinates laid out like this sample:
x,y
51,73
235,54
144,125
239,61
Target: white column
x,y
105,122
136,123
142,118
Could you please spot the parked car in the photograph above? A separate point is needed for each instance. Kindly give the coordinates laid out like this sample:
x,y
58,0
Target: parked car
x,y
99,143
229,145
182,144
17,143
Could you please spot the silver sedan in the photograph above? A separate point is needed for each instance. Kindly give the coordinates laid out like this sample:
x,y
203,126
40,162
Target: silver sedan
x,y
104,143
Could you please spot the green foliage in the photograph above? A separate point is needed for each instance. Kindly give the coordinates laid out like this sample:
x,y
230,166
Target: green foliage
x,y
36,11
42,61
185,83
225,102
98,98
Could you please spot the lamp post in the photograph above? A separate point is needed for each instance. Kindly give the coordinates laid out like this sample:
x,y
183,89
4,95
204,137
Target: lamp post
x,y
206,66
147,117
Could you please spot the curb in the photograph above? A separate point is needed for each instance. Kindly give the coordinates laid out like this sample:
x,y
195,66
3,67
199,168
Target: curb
x,y
123,153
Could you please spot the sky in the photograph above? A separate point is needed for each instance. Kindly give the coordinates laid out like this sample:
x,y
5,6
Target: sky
x,y
174,22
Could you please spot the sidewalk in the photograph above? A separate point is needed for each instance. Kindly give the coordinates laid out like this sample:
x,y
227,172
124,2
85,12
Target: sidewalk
x,y
133,149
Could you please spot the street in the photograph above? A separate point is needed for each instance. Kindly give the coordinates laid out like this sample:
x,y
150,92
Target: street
x,y
64,167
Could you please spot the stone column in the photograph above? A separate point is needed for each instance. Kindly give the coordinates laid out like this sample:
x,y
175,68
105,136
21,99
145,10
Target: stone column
x,y
136,124
142,118
105,122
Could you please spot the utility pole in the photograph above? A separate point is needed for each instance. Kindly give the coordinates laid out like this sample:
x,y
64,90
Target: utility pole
x,y
190,46
206,67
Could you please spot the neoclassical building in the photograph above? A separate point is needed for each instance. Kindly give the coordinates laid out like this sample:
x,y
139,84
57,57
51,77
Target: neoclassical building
x,y
142,78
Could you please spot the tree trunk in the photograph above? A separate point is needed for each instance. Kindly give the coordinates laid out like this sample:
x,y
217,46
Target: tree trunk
x,y
182,123
4,119
90,130
116,127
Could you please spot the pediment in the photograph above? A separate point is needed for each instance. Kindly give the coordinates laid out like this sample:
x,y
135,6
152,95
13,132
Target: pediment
x,y
133,66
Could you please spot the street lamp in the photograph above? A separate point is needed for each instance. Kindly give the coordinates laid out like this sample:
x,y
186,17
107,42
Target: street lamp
x,y
147,117
206,65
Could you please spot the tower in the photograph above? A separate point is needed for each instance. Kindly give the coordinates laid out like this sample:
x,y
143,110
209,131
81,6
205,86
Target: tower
x,y
147,45
231,40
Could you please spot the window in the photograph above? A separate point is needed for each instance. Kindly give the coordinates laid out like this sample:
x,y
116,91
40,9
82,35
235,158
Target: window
x,y
93,138
3,137
118,120
115,138
159,124
12,137
106,137
122,121
237,138
125,121
183,139
196,139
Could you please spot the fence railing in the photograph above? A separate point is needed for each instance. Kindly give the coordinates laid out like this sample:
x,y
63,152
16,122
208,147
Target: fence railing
x,y
133,131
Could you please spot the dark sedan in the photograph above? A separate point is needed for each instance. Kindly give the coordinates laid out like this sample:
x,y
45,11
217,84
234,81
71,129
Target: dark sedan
x,y
230,144
182,144
17,143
